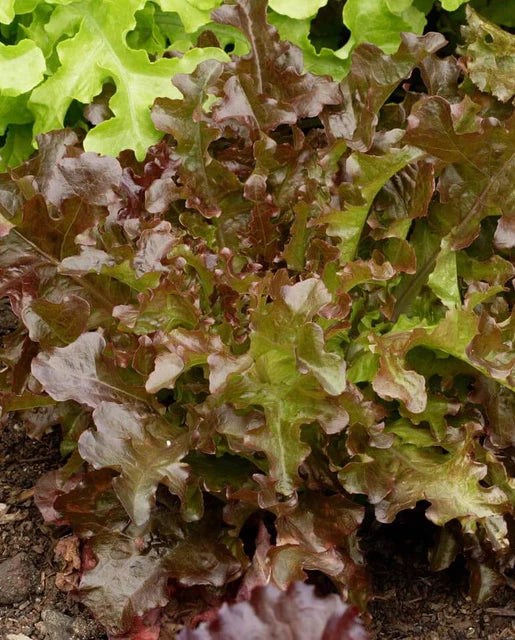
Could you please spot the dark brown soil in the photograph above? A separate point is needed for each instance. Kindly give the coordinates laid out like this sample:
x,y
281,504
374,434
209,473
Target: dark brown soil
x,y
411,603
7,318
22,462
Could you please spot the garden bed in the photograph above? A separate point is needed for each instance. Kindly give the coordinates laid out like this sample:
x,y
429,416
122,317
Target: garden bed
x,y
262,283
411,603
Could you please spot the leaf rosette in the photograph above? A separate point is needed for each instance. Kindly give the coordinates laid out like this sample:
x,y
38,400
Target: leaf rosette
x,y
299,297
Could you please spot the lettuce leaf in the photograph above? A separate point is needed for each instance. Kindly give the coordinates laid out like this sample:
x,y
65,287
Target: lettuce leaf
x,y
270,613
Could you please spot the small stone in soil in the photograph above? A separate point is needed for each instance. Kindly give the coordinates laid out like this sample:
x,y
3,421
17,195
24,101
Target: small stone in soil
x,y
18,577
58,626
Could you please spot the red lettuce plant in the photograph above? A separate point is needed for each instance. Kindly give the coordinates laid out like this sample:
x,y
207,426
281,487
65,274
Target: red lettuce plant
x,y
299,300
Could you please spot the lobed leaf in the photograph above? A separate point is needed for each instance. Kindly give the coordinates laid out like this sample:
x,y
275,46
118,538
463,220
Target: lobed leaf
x,y
273,614
398,477
489,54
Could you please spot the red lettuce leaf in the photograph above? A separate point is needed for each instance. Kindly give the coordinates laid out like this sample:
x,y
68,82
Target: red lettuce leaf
x,y
297,613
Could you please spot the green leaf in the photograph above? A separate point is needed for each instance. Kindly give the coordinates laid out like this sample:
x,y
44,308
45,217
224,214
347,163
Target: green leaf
x,y
299,9
7,11
193,13
452,5
437,408
323,62
18,146
328,368
369,173
14,111
393,380
374,21
405,432
398,477
287,372
98,53
21,67
164,309
489,55
444,278
227,36
458,335
495,270
23,402
363,368
502,13
278,437
147,33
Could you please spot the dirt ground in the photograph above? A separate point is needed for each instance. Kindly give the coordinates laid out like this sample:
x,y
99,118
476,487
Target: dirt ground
x,y
411,602
26,539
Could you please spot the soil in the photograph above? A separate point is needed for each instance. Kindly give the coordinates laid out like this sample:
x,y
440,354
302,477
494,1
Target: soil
x,y
411,603
22,531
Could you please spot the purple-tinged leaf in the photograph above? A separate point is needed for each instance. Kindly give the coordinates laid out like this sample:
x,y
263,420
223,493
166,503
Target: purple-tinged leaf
x,y
498,404
492,348
372,78
205,182
124,583
82,373
295,614
271,76
143,447
477,181
56,323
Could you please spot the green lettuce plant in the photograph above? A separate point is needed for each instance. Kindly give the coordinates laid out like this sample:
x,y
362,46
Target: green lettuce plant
x,y
85,46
